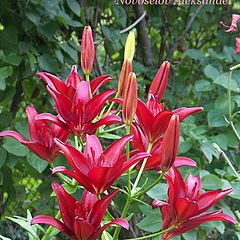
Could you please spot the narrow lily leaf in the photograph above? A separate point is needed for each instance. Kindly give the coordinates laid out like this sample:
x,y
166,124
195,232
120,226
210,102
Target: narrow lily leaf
x,y
25,225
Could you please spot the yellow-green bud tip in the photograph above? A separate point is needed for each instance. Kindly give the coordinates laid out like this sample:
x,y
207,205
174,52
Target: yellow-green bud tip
x,y
129,47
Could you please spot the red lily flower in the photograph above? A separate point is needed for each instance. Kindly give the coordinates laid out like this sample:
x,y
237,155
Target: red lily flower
x,y
87,50
42,135
77,114
233,27
185,204
237,45
69,87
159,82
96,170
153,119
130,100
81,219
140,144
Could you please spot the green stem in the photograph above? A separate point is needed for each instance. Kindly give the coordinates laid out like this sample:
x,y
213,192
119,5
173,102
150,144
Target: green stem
x,y
152,185
76,142
111,105
113,129
154,234
235,130
229,96
230,103
88,80
235,67
141,169
227,159
50,229
123,215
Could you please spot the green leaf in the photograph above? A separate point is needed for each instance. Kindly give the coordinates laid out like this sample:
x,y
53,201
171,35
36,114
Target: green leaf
x,y
211,182
191,235
195,54
221,140
22,127
2,84
3,156
106,236
152,221
12,160
48,63
49,29
211,72
33,17
236,99
236,192
158,192
74,6
209,151
222,80
15,147
13,59
32,60
109,136
70,51
203,86
120,15
25,225
36,162
6,72
4,238
216,119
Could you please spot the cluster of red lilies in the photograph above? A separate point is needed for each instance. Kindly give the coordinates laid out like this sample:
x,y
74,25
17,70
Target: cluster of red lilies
x,y
152,131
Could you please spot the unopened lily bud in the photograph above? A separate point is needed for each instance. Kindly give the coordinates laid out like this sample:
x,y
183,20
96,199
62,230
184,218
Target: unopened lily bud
x,y
73,79
130,100
122,83
169,146
160,80
129,47
87,51
237,45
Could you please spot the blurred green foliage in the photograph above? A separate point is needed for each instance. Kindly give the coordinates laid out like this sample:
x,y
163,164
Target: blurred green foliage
x,y
42,35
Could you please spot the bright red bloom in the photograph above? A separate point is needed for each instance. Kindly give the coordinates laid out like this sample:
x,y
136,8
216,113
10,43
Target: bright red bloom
x,y
153,119
81,219
140,144
77,114
42,136
185,204
169,146
237,45
96,170
234,22
69,87
130,100
159,82
87,50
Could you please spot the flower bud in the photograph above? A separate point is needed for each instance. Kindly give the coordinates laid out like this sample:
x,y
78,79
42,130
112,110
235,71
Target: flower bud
x,y
169,146
129,47
160,80
130,100
87,51
122,83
